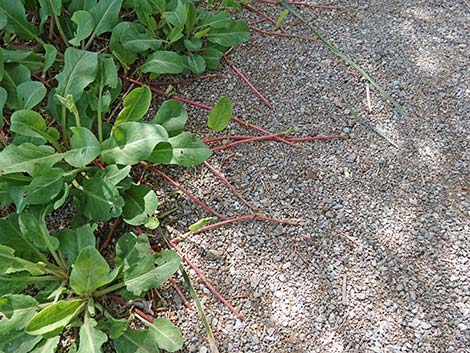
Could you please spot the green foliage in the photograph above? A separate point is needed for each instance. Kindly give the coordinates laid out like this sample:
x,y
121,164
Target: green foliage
x,y
71,146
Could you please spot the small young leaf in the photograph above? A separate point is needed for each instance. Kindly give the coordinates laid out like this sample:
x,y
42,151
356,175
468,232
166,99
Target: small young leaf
x,y
140,203
163,62
188,150
281,18
85,24
201,223
85,147
172,116
136,105
49,56
30,94
90,271
91,339
234,33
220,115
51,320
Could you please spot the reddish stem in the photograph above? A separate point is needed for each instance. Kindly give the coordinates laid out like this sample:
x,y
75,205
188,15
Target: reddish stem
x,y
204,279
230,186
262,20
319,138
301,3
204,106
110,235
138,311
180,293
253,88
285,35
187,193
260,13
188,80
251,139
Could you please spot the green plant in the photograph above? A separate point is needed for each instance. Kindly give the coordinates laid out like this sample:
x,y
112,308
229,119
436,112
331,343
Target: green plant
x,y
70,289
60,88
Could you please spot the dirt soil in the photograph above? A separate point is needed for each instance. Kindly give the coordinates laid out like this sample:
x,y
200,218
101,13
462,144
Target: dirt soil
x,y
380,259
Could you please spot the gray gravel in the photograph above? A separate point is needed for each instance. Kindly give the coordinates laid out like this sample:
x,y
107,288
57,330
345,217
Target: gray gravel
x,y
380,261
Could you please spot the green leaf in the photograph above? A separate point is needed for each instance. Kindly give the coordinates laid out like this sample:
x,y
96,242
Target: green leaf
x,y
188,150
9,263
196,64
30,124
138,280
281,18
3,23
3,99
114,174
91,339
85,147
15,312
212,57
167,335
132,142
140,203
175,35
163,62
72,241
220,115
48,347
135,38
32,222
106,14
79,71
49,8
49,56
18,342
86,5
42,189
172,116
234,33
218,20
30,59
85,24
14,283
27,157
136,105
137,341
90,271
201,223
51,320
13,238
162,153
99,200
178,17
134,251
30,94
193,44
16,20
13,75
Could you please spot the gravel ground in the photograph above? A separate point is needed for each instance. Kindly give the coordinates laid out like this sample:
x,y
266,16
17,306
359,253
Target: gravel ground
x,y
380,260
